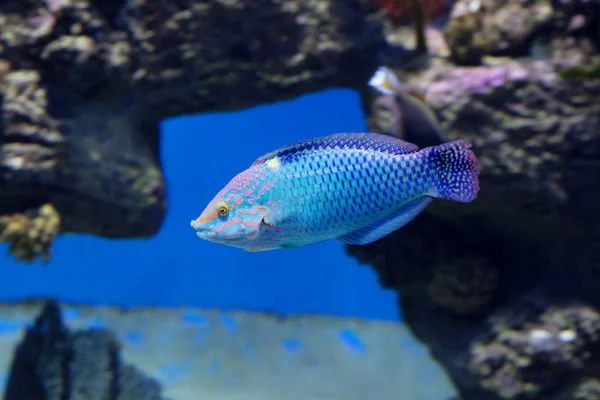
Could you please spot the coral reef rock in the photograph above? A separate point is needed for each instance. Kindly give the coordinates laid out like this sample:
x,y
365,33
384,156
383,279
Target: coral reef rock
x,y
504,290
548,353
85,84
53,363
494,27
523,28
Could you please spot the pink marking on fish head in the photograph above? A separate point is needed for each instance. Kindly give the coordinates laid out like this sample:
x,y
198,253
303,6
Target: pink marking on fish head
x,y
230,218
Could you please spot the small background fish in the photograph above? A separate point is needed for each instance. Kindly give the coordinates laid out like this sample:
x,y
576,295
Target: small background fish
x,y
412,119
355,187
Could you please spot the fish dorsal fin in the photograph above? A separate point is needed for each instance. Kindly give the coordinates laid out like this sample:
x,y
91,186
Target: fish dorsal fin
x,y
387,225
357,141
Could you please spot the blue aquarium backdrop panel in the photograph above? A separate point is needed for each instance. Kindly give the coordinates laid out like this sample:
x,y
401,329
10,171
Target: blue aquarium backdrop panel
x,y
200,154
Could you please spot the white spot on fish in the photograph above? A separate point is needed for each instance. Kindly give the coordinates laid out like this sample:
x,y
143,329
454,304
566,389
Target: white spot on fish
x,y
274,163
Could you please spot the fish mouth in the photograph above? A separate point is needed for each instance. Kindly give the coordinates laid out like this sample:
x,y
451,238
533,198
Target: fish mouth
x,y
206,233
211,236
201,232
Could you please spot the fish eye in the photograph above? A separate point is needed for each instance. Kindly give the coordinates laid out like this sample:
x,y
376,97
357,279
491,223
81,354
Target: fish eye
x,y
222,209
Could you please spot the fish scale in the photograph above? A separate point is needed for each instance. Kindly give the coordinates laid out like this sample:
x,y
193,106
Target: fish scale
x,y
355,187
322,205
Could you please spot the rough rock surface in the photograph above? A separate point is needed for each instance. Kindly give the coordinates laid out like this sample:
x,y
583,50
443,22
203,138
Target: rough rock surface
x,y
505,290
86,82
536,349
518,28
495,27
53,363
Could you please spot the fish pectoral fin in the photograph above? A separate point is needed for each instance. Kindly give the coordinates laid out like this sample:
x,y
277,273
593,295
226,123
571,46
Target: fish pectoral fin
x,y
385,226
268,222
276,217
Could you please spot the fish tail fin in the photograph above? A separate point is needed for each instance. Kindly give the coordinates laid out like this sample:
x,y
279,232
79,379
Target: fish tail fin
x,y
457,171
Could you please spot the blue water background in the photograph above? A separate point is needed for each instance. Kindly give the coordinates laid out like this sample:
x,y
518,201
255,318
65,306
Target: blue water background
x,y
200,155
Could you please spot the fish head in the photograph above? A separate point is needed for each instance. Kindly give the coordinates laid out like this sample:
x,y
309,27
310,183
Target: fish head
x,y
230,219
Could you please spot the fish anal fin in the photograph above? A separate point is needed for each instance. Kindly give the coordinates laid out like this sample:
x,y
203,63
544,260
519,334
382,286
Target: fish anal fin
x,y
387,225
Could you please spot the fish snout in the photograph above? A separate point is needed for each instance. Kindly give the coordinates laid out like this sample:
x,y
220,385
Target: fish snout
x,y
203,231
205,235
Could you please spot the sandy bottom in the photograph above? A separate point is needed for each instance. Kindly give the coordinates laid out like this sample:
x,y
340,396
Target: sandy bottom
x,y
207,354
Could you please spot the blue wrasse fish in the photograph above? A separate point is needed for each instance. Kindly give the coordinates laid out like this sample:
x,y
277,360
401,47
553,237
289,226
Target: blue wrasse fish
x,y
354,187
